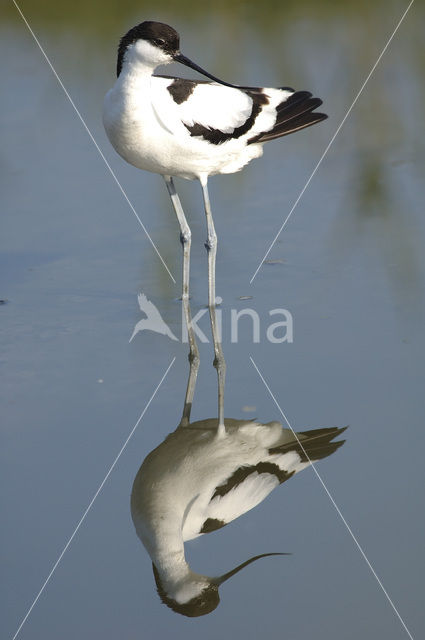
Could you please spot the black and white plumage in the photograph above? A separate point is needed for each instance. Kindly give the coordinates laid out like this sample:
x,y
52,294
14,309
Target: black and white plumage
x,y
187,128
193,129
195,482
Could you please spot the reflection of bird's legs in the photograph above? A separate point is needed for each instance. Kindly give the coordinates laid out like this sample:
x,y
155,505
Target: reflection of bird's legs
x,y
211,246
185,239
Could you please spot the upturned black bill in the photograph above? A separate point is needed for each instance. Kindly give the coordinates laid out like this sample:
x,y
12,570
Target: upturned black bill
x,y
179,57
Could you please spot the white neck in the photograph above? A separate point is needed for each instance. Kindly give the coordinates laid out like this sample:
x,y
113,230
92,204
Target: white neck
x,y
165,547
166,550
135,70
142,58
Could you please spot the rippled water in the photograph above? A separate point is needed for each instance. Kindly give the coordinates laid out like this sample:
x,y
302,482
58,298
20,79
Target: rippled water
x,y
348,267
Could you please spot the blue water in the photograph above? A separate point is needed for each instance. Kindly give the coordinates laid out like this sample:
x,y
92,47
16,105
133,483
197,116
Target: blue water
x,y
349,267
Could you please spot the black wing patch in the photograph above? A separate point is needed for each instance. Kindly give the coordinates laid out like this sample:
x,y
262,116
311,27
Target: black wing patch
x,y
181,89
293,114
212,524
243,473
315,444
215,136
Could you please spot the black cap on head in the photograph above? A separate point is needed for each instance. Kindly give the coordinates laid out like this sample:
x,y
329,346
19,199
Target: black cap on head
x,y
158,33
201,605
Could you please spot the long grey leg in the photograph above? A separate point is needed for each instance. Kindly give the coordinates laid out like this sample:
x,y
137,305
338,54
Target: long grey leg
x,y
185,239
211,246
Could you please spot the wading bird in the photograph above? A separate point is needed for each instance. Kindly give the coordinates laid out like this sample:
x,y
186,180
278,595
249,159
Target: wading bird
x,y
194,483
193,129
200,478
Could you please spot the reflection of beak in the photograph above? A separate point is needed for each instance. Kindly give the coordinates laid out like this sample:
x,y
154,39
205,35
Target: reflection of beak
x,y
220,579
179,57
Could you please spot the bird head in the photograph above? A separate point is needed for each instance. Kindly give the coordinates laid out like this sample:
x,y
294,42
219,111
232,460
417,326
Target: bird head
x,y
153,44
197,595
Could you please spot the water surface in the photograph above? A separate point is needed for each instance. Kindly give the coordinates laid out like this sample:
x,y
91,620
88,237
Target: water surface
x,y
349,267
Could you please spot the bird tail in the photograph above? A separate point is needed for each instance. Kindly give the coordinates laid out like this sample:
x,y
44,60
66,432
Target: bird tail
x,y
293,114
313,445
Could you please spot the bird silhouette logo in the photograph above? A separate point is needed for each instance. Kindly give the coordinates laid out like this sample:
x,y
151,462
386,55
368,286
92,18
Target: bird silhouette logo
x,y
153,320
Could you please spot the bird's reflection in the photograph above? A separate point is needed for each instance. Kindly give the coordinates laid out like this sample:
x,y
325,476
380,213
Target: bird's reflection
x,y
198,480
203,476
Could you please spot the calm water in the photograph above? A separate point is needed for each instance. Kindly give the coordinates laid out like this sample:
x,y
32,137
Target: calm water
x,y
349,267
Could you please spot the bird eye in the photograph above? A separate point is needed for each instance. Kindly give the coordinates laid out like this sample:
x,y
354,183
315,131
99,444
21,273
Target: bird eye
x,y
159,41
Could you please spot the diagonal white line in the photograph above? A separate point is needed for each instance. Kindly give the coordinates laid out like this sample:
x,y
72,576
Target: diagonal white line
x,y
347,526
331,142
93,140
92,501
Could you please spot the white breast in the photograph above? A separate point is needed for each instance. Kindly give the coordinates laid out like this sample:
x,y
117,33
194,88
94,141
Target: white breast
x,y
147,127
